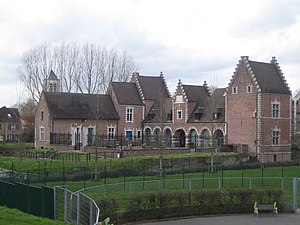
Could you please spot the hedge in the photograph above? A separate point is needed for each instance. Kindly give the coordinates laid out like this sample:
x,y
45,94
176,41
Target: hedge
x,y
161,205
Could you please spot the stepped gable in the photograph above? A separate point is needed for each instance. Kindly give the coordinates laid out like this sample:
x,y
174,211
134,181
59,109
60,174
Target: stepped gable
x,y
127,93
267,77
153,87
135,79
64,105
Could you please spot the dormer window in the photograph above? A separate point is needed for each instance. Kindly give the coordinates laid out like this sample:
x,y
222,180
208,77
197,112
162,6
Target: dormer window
x,y
199,112
217,114
234,90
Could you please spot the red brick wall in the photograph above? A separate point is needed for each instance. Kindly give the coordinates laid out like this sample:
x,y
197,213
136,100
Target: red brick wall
x,y
241,108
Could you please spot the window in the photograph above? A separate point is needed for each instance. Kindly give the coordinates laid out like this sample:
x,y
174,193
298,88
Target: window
x,y
54,87
275,137
129,114
139,134
42,133
249,88
234,90
12,126
42,115
179,114
111,132
51,87
275,109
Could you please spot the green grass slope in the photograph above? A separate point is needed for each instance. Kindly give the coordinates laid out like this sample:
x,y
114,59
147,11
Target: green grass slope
x,y
16,217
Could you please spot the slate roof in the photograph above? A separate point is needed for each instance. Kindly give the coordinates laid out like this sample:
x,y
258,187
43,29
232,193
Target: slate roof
x,y
64,105
153,87
127,93
196,93
268,77
9,115
52,76
199,99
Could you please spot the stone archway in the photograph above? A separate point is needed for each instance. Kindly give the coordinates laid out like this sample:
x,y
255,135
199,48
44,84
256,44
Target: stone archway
x,y
205,138
168,138
148,136
193,138
219,138
180,138
157,137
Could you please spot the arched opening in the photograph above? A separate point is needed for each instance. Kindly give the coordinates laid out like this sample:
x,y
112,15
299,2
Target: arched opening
x,y
193,138
148,136
205,136
157,138
180,138
219,138
168,138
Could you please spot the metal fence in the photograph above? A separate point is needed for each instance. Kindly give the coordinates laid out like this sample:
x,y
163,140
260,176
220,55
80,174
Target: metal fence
x,y
129,188
75,208
29,199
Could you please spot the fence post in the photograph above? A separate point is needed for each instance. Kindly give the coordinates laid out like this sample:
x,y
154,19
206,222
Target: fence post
x,y
55,203
295,189
78,208
91,213
65,204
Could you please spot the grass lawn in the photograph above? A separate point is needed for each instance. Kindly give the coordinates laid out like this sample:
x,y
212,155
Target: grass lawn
x,y
16,217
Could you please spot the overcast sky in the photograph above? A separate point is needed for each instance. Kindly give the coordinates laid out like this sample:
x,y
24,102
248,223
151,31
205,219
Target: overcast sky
x,y
191,40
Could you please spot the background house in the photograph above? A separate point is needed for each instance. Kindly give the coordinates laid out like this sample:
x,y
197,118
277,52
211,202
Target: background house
x,y
10,124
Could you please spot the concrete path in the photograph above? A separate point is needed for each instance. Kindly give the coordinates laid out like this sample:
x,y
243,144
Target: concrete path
x,y
243,219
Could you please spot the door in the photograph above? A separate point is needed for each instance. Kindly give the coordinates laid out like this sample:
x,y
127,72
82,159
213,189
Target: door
x,y
77,139
90,136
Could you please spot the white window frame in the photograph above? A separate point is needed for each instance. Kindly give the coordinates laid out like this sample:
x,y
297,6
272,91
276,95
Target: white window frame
x,y
179,114
275,109
111,132
139,134
275,136
129,114
42,133
234,90
249,89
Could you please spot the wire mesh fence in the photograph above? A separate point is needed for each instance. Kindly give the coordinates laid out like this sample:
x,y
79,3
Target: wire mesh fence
x,y
128,188
75,208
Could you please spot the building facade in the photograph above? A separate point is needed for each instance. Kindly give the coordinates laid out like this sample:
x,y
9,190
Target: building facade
x,y
258,110
253,114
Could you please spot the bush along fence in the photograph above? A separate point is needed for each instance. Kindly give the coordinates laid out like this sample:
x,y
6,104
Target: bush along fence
x,y
162,205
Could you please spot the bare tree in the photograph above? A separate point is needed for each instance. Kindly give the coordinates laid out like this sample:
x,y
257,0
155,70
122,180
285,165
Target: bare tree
x,y
84,68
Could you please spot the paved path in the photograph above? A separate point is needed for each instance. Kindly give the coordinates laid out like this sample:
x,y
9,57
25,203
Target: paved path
x,y
248,219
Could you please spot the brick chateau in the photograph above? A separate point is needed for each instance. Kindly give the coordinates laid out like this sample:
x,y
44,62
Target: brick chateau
x,y
252,115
